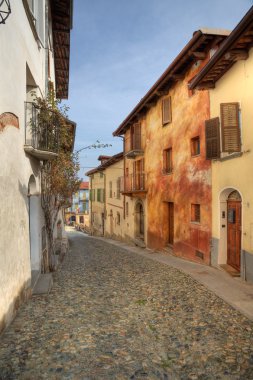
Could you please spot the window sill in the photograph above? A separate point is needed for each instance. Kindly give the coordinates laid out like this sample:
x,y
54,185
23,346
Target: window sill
x,y
229,156
195,155
196,223
167,173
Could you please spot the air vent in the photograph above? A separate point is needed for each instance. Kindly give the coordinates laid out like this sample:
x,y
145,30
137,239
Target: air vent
x,y
199,254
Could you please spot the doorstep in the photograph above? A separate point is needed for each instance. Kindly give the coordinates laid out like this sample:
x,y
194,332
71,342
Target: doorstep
x,y
43,284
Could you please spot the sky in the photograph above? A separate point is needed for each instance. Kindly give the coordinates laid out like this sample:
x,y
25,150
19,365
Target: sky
x,y
119,48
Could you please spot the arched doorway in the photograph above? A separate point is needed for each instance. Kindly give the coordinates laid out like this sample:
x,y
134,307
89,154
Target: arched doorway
x,y
34,218
230,228
234,230
139,220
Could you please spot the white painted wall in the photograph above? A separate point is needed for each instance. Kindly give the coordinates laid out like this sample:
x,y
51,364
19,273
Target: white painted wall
x,y
19,48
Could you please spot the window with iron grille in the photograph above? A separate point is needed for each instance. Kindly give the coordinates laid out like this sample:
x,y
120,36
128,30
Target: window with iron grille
x,y
167,161
195,146
195,213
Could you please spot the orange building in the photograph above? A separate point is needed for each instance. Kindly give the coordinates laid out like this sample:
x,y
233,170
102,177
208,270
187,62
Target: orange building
x,y
167,179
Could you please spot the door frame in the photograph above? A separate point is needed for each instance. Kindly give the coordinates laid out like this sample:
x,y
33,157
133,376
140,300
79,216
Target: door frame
x,y
223,224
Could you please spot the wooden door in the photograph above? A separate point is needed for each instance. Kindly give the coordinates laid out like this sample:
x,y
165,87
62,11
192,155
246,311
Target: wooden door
x,y
234,233
171,223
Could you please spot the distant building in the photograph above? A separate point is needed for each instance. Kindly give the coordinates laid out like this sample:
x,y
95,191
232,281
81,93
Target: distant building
x,y
78,213
106,202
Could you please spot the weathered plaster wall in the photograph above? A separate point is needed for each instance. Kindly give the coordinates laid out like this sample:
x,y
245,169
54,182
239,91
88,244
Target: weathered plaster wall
x,y
114,204
190,181
235,86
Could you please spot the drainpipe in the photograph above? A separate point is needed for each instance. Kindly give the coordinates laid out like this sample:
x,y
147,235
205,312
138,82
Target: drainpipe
x,y
46,48
91,192
104,203
124,169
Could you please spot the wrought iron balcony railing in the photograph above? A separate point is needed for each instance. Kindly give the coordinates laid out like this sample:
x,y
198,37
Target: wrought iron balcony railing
x,y
133,183
41,131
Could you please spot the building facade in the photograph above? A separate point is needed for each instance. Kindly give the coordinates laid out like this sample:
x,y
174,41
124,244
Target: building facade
x,y
167,179
229,141
114,206
78,213
97,198
34,34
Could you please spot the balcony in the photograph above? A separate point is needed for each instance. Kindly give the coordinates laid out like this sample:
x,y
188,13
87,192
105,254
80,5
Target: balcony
x,y
134,184
41,132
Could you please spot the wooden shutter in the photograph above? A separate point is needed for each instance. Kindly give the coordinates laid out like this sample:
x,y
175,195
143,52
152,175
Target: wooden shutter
x,y
231,139
166,110
136,136
212,128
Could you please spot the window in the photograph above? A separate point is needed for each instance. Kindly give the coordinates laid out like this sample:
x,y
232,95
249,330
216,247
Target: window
x,y
36,13
110,189
230,127
229,124
166,110
195,213
101,175
136,136
100,195
118,218
81,219
127,209
195,146
212,130
118,188
167,161
92,195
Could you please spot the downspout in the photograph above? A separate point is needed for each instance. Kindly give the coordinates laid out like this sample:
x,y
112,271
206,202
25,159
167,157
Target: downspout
x,y
46,48
124,170
104,203
91,194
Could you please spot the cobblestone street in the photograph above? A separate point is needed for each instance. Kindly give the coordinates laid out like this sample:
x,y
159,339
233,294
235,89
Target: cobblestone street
x,y
113,314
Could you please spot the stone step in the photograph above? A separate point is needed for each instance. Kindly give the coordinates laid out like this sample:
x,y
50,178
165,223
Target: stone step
x,y
44,284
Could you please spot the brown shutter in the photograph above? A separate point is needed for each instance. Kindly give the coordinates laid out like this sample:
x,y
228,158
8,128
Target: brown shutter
x,y
166,110
212,138
231,140
165,161
137,136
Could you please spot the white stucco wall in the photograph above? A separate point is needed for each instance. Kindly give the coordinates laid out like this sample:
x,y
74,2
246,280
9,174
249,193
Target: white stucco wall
x,y
19,49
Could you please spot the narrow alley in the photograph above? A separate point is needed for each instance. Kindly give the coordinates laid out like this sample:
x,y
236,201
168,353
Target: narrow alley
x,y
112,314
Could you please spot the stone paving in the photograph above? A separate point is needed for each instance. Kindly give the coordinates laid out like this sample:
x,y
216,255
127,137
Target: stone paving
x,y
113,314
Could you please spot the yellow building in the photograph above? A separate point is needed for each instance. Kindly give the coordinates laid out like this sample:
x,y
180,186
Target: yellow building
x,y
97,198
229,144
114,214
